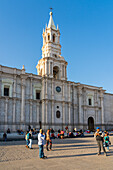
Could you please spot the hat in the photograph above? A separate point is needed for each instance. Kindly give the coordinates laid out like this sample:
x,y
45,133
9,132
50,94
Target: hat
x,y
97,128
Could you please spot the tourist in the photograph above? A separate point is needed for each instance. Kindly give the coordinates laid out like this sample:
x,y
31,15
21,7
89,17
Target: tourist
x,y
107,142
4,136
27,139
30,139
48,141
41,138
8,130
100,139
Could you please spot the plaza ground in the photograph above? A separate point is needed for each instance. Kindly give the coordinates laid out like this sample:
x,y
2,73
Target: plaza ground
x,y
71,153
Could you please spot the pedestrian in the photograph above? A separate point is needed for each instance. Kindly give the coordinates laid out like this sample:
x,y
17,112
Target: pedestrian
x,y
41,138
27,139
48,141
30,139
5,136
107,142
100,140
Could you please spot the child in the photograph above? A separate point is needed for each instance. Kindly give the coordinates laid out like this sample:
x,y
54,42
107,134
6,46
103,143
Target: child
x,y
106,139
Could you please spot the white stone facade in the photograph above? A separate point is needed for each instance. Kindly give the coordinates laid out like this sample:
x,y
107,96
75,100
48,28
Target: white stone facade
x,y
48,100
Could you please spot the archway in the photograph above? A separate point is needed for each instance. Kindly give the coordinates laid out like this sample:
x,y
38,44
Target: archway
x,y
91,123
56,72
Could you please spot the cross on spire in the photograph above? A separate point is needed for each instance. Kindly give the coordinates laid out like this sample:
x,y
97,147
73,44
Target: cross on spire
x,y
51,9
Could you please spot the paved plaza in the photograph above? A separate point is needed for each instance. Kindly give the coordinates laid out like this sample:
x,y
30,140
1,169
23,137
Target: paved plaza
x,y
74,153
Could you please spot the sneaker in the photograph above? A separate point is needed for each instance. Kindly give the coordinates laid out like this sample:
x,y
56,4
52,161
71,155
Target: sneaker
x,y
44,157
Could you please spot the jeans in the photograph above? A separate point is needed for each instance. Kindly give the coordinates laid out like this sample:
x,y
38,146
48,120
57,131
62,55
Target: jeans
x,y
41,153
100,144
30,143
47,143
27,142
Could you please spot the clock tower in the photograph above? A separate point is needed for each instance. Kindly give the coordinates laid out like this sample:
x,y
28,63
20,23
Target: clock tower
x,y
52,64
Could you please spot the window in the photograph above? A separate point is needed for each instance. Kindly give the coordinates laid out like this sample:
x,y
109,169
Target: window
x,y
89,102
58,114
53,37
48,37
57,107
37,95
6,91
56,72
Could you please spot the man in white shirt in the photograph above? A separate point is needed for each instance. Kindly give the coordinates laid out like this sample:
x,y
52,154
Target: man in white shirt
x,y
41,138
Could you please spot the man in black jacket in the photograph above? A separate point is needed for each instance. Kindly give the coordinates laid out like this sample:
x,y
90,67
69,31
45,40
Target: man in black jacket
x,y
100,139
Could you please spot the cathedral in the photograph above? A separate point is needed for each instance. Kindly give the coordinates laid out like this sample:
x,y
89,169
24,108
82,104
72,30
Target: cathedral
x,y
48,99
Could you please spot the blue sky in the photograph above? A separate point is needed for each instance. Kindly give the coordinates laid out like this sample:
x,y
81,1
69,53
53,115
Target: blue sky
x,y
86,28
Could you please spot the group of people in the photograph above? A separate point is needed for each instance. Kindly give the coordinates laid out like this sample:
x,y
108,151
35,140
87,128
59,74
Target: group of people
x,y
102,140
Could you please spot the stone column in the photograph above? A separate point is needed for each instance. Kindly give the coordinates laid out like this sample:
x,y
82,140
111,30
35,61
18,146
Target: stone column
x,y
52,89
6,113
31,104
79,107
23,104
46,112
14,104
69,107
46,67
46,89
53,115
102,109
64,116
63,92
14,114
31,112
43,113
38,113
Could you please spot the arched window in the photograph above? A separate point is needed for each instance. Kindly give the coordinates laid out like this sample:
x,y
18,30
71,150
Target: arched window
x,y
48,37
58,114
56,72
53,37
89,102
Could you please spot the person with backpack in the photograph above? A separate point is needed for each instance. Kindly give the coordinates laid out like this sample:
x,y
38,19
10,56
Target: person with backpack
x,y
100,140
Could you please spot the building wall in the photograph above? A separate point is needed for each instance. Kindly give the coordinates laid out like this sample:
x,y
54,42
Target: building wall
x,y
108,110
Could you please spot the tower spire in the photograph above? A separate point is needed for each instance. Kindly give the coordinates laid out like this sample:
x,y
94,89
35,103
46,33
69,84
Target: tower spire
x,y
51,22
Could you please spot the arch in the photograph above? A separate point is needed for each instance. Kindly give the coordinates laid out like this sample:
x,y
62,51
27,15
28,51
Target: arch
x,y
89,101
56,72
53,37
58,114
91,123
48,37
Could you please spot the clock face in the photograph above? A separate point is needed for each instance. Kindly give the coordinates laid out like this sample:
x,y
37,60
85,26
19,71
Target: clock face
x,y
58,89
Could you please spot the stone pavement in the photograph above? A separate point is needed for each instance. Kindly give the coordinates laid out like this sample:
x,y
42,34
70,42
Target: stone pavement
x,y
76,153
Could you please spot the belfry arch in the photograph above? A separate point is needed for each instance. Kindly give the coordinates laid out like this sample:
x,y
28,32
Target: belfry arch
x,y
91,123
56,72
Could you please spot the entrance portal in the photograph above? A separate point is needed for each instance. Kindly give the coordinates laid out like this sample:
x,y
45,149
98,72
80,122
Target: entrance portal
x,y
91,123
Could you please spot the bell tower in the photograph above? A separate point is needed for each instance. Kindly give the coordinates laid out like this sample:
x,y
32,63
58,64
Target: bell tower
x,y
52,64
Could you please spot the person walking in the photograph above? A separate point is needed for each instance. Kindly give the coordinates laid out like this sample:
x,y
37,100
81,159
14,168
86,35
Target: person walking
x,y
107,142
41,138
48,141
27,139
100,139
30,139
